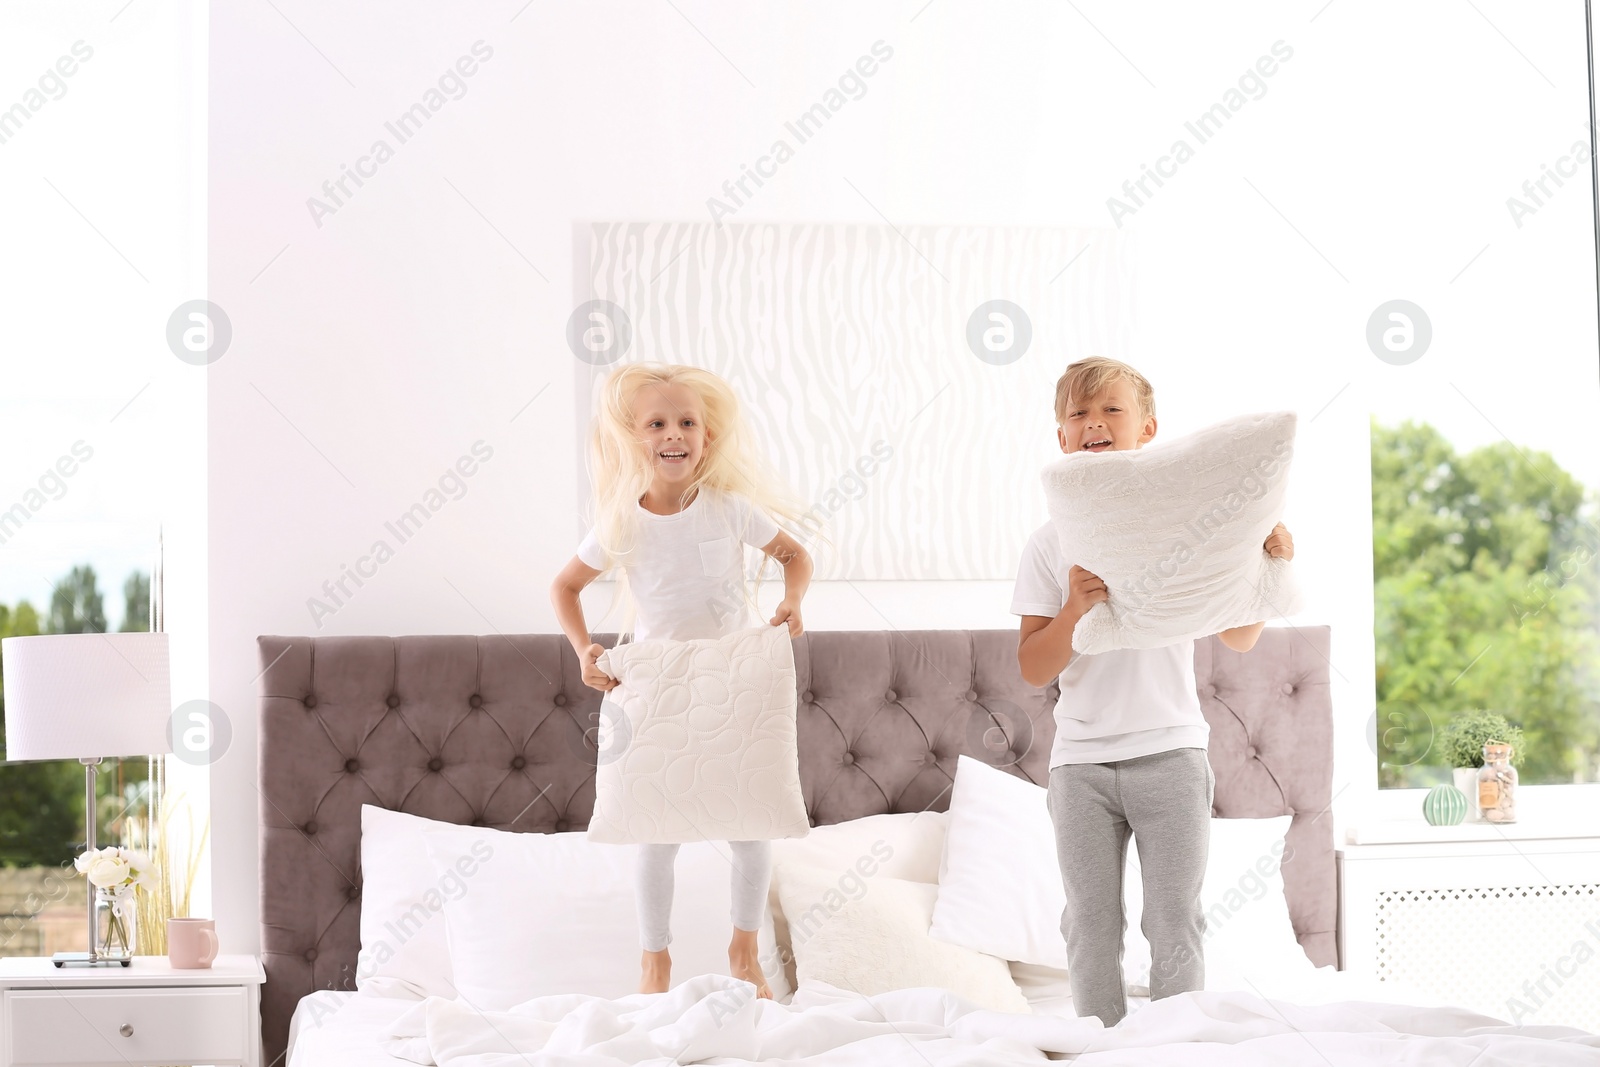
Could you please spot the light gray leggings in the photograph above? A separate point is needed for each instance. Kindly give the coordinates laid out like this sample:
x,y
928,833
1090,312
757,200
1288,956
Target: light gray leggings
x,y
653,870
1163,801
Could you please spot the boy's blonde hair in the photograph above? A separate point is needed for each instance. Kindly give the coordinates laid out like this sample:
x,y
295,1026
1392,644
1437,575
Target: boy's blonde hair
x,y
620,464
1086,378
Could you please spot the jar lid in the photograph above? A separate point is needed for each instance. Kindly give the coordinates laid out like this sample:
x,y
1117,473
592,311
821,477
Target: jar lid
x,y
1496,750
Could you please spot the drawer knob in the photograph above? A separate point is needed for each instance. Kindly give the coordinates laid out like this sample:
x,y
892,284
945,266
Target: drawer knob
x,y
126,1029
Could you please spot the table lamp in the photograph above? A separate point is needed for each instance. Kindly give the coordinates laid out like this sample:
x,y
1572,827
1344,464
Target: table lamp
x,y
86,697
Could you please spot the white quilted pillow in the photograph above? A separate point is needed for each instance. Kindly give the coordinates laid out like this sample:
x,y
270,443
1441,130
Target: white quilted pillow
x,y
697,743
1175,531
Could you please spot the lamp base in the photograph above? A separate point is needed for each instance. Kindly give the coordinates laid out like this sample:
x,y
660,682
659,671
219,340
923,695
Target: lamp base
x,y
84,959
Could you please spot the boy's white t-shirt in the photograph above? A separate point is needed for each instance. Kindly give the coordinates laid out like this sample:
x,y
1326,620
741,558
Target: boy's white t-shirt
x,y
687,567
1115,705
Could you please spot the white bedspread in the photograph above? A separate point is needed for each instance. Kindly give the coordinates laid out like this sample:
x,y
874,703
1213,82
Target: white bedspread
x,y
715,1019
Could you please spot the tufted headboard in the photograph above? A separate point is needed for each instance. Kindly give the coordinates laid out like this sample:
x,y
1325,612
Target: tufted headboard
x,y
498,731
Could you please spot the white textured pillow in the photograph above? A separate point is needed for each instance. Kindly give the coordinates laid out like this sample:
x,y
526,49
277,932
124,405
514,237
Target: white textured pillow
x,y
557,913
878,941
1000,837
404,948
1176,530
697,743
1249,937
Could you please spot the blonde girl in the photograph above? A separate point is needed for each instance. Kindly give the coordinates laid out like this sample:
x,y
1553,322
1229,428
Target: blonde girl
x,y
680,488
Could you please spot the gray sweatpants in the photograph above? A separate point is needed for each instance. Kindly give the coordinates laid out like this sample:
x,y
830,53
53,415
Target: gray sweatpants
x,y
653,872
1164,802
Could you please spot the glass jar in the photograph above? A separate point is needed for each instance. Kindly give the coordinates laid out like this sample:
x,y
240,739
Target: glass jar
x,y
116,923
1497,784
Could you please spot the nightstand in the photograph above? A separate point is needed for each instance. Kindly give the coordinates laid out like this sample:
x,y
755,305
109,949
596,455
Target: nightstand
x,y
144,1013
1503,919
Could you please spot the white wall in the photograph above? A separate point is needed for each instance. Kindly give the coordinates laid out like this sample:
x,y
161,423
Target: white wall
x,y
427,312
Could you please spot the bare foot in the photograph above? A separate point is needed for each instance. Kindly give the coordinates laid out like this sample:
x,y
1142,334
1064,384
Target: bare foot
x,y
656,972
744,962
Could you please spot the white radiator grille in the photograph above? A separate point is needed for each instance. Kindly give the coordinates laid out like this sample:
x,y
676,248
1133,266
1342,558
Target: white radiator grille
x,y
1528,954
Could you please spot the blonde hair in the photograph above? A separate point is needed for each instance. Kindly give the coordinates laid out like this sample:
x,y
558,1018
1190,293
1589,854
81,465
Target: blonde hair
x,y
620,464
1087,378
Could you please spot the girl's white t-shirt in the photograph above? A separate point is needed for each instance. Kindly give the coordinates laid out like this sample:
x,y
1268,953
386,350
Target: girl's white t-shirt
x,y
687,568
1115,705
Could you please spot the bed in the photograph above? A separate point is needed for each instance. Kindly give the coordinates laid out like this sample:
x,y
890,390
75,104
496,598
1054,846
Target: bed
x,y
498,731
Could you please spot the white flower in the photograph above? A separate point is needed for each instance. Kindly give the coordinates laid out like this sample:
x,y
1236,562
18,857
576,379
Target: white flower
x,y
107,871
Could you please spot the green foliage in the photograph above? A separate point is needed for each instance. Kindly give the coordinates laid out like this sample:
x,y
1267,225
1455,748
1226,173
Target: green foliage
x,y
1485,595
1461,742
75,606
136,603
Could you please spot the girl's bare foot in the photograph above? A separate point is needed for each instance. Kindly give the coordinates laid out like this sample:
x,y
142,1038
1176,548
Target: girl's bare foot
x,y
656,968
744,961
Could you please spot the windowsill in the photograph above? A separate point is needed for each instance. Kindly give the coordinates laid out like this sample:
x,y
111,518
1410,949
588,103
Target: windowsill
x,y
1417,831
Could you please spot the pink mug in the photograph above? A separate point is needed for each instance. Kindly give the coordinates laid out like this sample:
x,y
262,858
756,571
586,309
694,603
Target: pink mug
x,y
191,943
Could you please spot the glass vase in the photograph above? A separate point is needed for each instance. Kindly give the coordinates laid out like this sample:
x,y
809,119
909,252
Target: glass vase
x,y
1497,784
116,923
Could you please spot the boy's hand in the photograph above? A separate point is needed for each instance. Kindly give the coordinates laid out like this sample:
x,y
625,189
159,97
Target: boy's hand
x,y
1084,590
789,611
1279,543
593,676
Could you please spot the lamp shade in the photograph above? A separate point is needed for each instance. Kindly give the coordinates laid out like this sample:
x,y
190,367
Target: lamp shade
x,y
78,696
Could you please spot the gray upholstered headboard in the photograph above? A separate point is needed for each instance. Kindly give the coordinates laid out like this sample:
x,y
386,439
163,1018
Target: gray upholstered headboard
x,y
474,729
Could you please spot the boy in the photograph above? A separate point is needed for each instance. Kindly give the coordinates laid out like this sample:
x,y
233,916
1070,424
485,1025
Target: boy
x,y
1129,757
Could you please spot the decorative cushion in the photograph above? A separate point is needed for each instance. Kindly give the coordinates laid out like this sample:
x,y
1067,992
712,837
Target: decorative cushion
x,y
697,743
1175,530
874,939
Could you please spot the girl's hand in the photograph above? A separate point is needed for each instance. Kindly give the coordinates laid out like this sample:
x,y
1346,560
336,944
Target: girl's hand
x,y
789,611
1279,543
593,676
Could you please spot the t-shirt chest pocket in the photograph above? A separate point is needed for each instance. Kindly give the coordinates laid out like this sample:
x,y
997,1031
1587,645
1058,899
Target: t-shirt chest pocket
x,y
716,556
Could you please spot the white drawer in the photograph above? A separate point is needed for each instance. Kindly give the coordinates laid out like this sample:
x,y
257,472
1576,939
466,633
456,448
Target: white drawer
x,y
181,1024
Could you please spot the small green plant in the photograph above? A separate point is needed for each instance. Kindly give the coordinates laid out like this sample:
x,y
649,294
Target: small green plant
x,y
1462,740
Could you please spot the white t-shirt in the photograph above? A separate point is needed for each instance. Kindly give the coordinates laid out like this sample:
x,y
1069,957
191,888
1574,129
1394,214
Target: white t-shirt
x,y
687,568
1115,705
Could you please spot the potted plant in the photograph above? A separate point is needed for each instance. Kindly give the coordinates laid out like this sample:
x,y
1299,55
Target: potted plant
x,y
1462,742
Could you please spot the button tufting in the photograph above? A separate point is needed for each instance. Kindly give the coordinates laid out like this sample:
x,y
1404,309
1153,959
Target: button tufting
x,y
351,765
517,763
890,696
310,827
311,954
808,696
972,695
930,759
435,764
475,700
561,826
561,700
477,821
393,701
1211,690
353,892
310,701
1250,751
1288,687
849,757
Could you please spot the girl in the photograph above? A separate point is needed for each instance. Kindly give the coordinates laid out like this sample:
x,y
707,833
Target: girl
x,y
680,488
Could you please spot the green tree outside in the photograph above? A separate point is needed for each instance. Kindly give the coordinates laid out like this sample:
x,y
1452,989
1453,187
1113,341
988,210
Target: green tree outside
x,y
1485,595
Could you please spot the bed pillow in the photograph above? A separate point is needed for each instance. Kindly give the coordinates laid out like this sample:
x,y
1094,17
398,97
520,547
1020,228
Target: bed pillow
x,y
1000,833
987,893
873,938
697,743
1249,939
1175,530
557,913
404,947
904,845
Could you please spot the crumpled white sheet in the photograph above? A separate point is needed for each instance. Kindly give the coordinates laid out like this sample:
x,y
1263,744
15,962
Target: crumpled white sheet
x,y
717,1019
